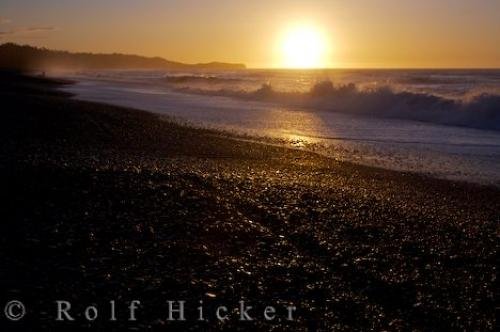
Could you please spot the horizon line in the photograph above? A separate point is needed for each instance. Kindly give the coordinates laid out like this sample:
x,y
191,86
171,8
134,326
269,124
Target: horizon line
x,y
376,68
247,67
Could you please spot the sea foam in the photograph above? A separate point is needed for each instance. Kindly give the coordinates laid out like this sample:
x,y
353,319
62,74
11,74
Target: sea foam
x,y
480,111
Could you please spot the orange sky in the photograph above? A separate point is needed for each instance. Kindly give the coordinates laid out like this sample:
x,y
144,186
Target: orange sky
x,y
369,33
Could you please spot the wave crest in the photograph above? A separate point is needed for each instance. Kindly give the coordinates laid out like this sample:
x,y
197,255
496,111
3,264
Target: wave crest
x,y
482,111
180,79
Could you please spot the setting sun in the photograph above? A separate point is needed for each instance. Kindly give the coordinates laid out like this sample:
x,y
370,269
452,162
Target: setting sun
x,y
304,47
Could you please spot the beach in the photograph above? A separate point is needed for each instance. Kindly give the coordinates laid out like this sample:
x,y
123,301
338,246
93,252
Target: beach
x,y
110,203
441,123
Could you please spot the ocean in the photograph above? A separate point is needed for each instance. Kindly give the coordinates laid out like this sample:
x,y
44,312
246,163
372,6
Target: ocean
x,y
443,123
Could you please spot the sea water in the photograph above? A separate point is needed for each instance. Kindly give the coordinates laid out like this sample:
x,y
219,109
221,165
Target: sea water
x,y
445,123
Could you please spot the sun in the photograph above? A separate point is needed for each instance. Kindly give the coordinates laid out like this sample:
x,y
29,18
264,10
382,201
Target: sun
x,y
304,46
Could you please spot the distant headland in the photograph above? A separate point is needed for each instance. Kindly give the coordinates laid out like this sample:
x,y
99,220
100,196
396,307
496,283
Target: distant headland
x,y
25,57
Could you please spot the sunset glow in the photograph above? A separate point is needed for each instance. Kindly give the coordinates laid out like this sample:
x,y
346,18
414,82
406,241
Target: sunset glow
x,y
267,34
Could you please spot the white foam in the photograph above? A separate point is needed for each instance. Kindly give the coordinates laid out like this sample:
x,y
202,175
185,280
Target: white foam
x,y
442,151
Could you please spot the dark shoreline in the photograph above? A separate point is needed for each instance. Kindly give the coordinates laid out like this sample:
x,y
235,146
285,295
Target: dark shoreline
x,y
108,203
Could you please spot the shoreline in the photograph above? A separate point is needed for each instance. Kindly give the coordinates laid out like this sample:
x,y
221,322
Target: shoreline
x,y
462,154
106,203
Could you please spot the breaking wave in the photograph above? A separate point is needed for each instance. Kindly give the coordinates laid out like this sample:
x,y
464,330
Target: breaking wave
x,y
181,79
481,111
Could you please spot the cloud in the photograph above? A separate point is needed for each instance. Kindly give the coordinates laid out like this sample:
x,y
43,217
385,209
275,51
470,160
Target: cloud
x,y
4,20
27,31
39,29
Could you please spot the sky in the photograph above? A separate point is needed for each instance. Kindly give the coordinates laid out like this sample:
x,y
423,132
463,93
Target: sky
x,y
355,34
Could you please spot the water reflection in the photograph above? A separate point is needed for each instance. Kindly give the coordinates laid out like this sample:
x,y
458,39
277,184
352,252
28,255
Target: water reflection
x,y
445,151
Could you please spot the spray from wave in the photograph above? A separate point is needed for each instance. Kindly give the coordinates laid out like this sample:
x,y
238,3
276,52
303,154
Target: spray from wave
x,y
480,111
207,79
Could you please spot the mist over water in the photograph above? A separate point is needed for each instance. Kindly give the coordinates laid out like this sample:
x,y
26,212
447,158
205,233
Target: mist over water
x,y
442,122
469,98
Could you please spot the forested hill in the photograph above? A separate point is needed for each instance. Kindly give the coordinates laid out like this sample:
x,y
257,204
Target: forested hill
x,y
24,57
